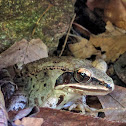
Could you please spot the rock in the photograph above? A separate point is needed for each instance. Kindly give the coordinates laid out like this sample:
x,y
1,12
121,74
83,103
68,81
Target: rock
x,y
56,21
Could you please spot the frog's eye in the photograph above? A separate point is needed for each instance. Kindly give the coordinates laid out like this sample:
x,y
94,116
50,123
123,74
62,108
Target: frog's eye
x,y
82,75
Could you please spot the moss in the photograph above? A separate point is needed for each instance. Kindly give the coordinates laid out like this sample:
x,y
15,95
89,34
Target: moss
x,y
50,28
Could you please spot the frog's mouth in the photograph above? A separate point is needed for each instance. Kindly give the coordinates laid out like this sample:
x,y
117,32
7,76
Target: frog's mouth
x,y
90,85
84,89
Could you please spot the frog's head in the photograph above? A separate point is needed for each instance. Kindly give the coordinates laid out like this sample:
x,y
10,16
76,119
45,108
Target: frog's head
x,y
86,81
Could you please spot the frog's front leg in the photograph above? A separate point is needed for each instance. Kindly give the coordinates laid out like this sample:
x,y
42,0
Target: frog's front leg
x,y
81,105
71,102
78,103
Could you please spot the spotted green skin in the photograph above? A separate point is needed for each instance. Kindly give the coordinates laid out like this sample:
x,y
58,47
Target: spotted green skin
x,y
39,78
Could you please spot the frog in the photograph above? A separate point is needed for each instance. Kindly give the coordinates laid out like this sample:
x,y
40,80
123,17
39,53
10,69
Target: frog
x,y
56,82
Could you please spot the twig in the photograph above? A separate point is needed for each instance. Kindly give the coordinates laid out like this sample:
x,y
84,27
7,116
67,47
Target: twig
x,y
49,6
67,35
108,109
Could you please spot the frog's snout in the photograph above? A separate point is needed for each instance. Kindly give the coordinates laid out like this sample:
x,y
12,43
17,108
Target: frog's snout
x,y
110,86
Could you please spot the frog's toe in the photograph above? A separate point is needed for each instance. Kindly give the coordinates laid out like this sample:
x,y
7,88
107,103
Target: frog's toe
x,y
73,106
67,105
83,108
78,106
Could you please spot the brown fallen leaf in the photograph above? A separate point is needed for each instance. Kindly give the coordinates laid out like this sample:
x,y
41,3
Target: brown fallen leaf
x,y
114,104
114,10
108,45
83,48
23,52
2,98
80,29
58,117
113,46
96,4
31,111
3,112
29,121
53,117
112,42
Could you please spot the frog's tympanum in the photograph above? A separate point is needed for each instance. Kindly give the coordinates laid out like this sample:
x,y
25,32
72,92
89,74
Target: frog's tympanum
x,y
55,82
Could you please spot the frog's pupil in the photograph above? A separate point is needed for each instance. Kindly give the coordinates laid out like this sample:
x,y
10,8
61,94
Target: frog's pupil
x,y
83,74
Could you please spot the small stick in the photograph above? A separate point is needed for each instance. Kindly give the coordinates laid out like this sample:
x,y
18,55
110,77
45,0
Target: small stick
x,y
49,6
67,35
107,109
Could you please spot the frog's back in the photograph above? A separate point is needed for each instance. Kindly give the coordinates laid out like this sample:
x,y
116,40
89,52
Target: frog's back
x,y
63,63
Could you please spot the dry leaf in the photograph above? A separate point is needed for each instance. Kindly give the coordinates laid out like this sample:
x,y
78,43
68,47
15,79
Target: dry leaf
x,y
114,46
29,121
53,117
109,45
82,49
96,4
114,104
114,10
120,67
23,52
3,113
112,42
31,111
3,116
81,30
2,98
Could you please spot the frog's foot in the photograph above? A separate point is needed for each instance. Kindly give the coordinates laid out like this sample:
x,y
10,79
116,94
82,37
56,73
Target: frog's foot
x,y
80,104
88,110
84,108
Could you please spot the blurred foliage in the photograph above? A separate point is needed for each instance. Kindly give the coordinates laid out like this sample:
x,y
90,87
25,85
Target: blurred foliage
x,y
18,19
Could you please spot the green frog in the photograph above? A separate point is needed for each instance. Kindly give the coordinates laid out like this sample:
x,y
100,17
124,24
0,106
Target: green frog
x,y
55,82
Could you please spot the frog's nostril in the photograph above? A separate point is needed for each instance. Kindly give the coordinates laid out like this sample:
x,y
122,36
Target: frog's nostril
x,y
108,86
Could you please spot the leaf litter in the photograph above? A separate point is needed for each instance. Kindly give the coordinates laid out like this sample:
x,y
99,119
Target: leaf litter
x,y
114,103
